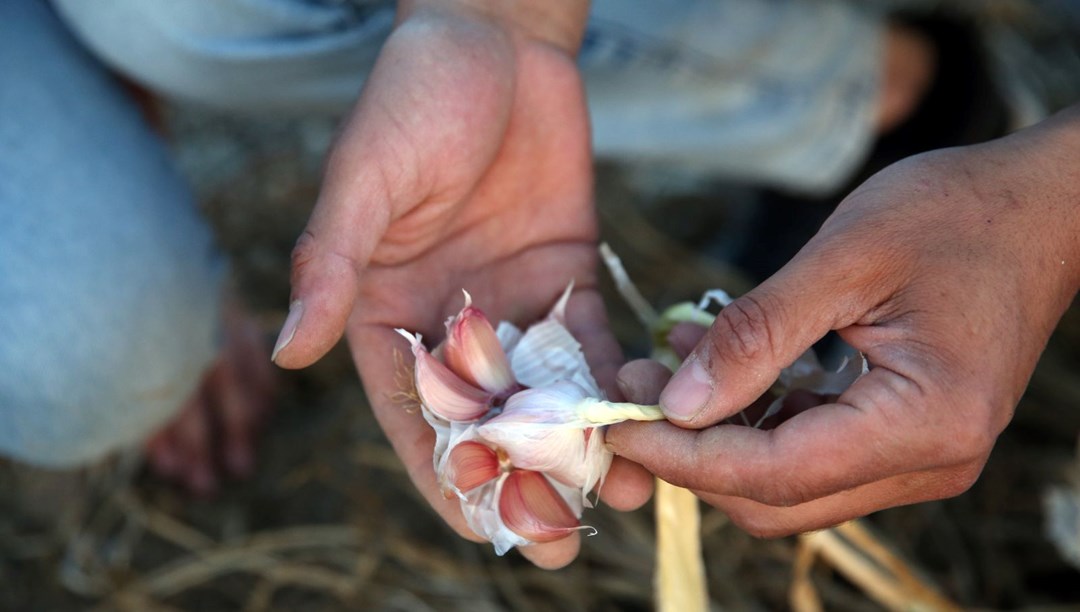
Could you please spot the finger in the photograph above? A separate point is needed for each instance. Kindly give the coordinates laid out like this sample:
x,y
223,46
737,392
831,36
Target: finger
x,y
326,263
553,555
767,329
363,181
642,380
684,337
873,432
766,521
627,485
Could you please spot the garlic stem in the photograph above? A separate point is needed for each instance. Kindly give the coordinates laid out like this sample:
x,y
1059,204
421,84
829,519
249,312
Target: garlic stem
x,y
599,412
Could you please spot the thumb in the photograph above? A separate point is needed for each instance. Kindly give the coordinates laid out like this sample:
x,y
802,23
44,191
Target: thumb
x,y
350,218
760,333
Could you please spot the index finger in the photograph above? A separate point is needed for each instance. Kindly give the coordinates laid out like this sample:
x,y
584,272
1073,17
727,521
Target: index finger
x,y
874,431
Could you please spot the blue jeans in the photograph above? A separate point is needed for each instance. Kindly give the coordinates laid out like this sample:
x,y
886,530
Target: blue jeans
x,y
110,282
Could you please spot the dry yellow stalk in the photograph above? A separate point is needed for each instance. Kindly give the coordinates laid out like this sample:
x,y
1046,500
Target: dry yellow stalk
x,y
856,553
680,573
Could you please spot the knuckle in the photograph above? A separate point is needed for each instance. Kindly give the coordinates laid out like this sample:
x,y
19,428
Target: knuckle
x,y
971,437
960,481
743,330
303,252
310,252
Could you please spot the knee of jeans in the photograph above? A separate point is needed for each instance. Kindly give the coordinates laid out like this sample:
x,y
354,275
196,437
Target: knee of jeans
x,y
99,375
138,42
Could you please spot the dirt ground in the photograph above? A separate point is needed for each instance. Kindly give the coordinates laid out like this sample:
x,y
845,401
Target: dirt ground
x,y
331,521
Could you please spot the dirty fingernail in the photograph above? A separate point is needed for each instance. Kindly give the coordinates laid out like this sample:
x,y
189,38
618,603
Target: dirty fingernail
x,y
688,392
288,330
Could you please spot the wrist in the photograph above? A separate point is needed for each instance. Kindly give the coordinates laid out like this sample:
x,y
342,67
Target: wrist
x,y
1026,187
557,22
1059,141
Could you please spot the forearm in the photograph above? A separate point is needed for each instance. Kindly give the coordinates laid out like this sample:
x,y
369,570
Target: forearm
x,y
558,22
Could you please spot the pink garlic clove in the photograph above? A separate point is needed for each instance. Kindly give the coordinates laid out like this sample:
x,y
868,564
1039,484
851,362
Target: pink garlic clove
x,y
472,350
470,465
531,507
443,392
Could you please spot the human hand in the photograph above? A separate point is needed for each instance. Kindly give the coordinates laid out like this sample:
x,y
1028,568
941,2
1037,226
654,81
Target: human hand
x,y
949,271
465,164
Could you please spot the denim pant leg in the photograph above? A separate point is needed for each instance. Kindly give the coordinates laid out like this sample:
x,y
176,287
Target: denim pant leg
x,y
249,56
109,281
777,92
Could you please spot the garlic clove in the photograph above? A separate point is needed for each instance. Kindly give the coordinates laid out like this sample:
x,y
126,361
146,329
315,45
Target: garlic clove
x,y
539,430
442,391
471,464
474,352
531,508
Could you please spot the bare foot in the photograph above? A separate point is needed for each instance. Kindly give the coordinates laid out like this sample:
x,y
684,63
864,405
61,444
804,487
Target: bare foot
x,y
213,434
909,66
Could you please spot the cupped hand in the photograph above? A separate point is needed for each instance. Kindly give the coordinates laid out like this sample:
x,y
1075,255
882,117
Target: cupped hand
x,y
949,271
464,165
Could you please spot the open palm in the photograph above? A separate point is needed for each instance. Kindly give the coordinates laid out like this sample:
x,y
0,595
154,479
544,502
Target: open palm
x,y
466,164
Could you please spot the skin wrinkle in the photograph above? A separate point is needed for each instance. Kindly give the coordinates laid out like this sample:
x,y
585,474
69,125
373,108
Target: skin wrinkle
x,y
745,321
396,143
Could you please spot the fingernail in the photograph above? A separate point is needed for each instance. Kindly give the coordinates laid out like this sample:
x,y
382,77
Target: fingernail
x,y
296,310
688,392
